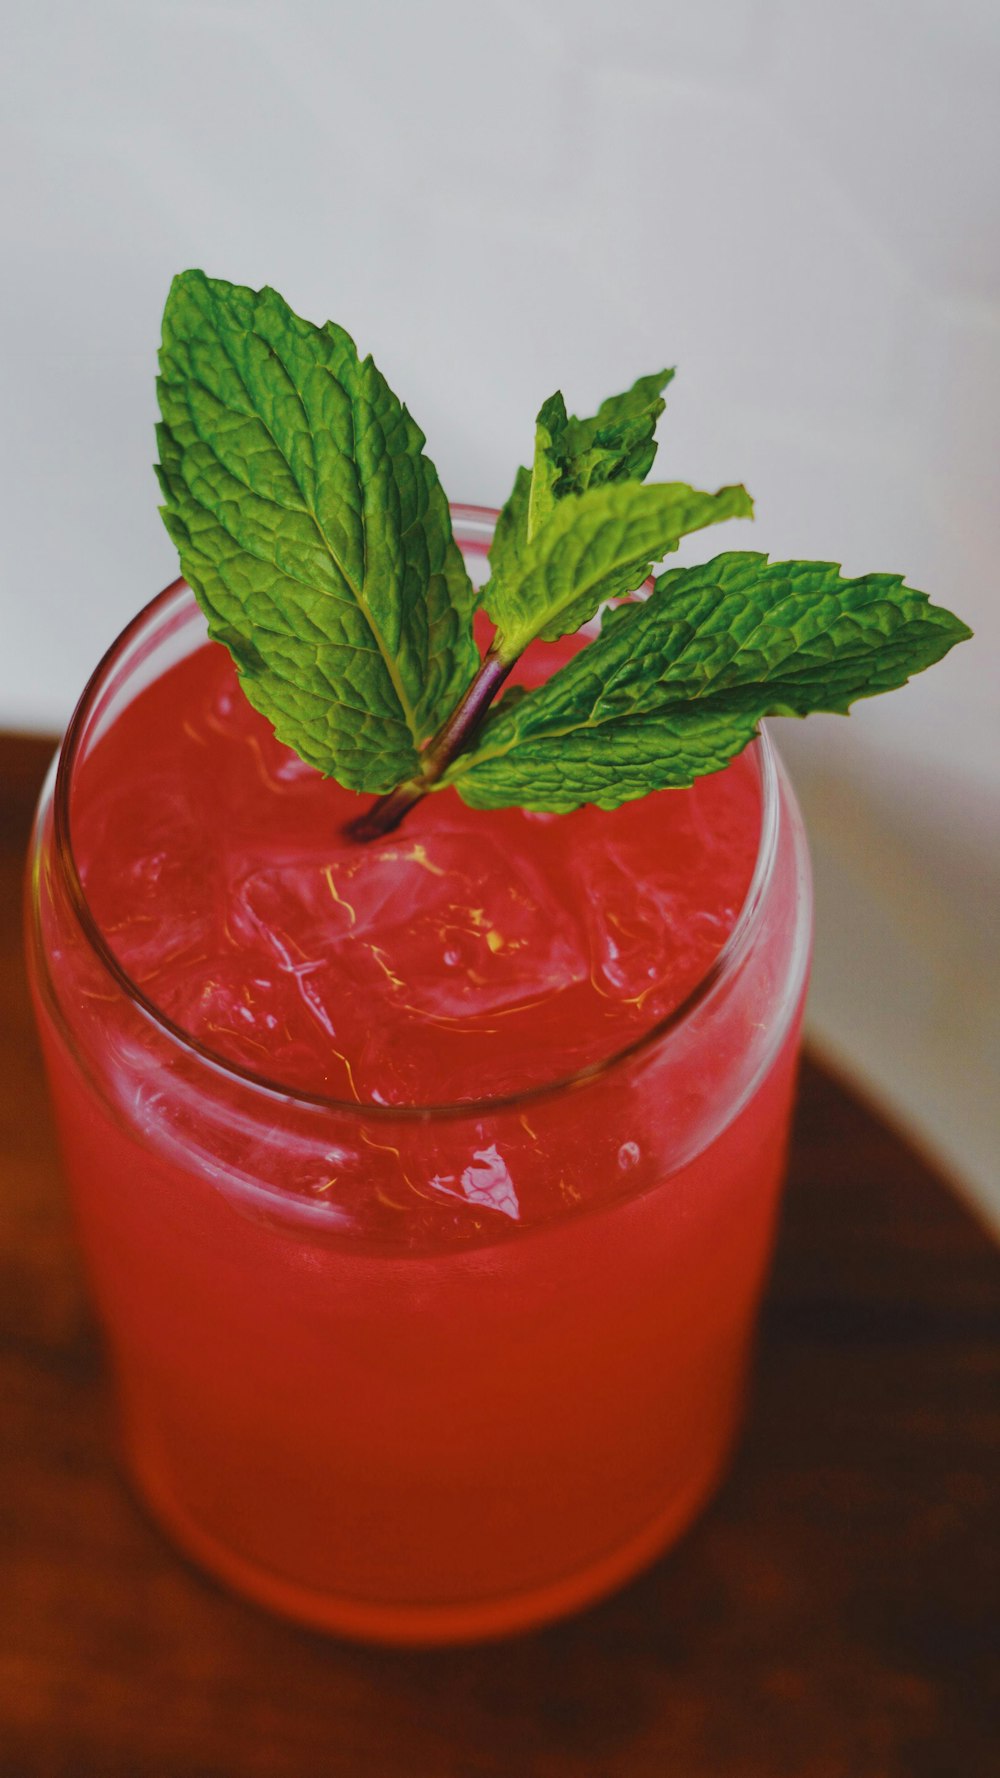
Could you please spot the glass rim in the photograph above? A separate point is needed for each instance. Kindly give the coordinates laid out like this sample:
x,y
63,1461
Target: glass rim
x,y
719,972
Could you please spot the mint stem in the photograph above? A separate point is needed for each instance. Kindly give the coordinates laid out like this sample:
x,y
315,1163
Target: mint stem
x,y
452,738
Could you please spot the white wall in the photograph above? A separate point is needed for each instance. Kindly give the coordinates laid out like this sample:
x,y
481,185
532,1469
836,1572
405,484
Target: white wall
x,y
794,200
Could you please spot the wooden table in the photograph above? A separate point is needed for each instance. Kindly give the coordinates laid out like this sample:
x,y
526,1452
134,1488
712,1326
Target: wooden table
x,y
830,1616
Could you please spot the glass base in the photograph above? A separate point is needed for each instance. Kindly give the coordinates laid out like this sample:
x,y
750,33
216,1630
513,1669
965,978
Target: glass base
x,y
406,1625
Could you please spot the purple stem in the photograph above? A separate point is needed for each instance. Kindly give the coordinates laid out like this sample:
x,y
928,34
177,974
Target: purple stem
x,y
452,738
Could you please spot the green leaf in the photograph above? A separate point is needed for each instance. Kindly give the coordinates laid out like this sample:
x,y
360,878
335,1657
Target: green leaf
x,y
571,455
599,545
312,530
675,686
550,430
618,443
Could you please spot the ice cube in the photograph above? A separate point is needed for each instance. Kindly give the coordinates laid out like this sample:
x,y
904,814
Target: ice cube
x,y
156,909
649,940
428,926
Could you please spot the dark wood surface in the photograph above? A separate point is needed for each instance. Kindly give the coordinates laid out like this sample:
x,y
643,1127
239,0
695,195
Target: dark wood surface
x,y
832,1616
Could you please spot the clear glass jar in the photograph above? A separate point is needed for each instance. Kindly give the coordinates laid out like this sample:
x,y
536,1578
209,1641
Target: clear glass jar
x,y
438,1426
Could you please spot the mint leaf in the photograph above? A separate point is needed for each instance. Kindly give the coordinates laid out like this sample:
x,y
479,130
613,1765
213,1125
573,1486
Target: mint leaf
x,y
674,687
599,545
571,455
547,469
618,443
312,530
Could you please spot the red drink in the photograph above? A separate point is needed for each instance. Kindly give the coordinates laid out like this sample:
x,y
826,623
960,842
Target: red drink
x,y
410,1372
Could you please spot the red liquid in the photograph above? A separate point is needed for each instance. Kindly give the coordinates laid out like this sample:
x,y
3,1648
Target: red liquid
x,y
443,1377
466,956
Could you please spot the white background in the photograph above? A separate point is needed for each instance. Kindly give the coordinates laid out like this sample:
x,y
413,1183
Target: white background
x,y
796,201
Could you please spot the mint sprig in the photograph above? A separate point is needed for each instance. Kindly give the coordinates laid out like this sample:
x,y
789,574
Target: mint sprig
x,y
316,536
